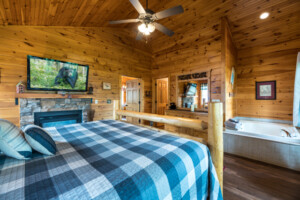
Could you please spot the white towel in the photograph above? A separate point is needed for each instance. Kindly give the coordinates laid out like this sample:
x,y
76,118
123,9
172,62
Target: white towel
x,y
232,125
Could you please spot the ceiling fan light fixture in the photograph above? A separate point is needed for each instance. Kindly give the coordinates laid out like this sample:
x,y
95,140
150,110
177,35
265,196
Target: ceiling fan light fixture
x,y
148,19
146,29
151,28
264,15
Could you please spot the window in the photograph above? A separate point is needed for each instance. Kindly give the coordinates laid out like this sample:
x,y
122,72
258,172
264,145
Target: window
x,y
204,94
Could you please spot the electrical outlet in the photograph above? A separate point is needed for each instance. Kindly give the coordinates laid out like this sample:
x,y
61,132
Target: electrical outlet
x,y
96,101
108,101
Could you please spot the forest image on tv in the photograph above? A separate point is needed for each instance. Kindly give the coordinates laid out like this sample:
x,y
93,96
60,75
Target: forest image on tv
x,y
52,74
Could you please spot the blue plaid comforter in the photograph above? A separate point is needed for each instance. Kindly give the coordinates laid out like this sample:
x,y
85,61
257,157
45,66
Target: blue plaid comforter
x,y
112,160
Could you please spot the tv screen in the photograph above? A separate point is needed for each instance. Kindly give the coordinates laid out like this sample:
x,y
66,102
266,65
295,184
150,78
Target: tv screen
x,y
48,74
191,89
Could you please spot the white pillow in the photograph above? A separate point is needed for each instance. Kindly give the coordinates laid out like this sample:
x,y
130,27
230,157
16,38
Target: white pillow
x,y
12,142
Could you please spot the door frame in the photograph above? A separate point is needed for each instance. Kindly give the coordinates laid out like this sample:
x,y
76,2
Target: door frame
x,y
142,93
154,92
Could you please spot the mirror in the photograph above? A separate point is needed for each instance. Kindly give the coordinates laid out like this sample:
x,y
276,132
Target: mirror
x,y
193,93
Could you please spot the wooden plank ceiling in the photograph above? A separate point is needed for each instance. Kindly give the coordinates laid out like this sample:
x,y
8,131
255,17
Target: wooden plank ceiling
x,y
247,29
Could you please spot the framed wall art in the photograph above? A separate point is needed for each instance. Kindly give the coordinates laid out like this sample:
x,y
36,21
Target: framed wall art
x,y
266,90
106,86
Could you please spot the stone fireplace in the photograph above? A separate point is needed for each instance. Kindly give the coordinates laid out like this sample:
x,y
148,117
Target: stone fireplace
x,y
30,106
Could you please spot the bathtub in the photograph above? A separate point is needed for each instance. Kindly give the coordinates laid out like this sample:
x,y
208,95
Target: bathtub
x,y
261,139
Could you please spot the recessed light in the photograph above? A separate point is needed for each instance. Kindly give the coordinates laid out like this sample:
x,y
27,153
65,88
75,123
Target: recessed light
x,y
264,15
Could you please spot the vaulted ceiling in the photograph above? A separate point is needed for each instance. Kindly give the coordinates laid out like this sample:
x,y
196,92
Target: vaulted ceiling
x,y
243,16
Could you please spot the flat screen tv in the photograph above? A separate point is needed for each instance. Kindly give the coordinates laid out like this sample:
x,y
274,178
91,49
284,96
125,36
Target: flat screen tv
x,y
55,75
191,89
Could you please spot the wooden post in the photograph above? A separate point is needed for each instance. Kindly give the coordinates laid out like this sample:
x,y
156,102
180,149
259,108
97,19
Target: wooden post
x,y
115,108
215,137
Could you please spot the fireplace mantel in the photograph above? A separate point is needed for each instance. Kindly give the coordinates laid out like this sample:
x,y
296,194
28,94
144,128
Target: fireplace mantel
x,y
52,96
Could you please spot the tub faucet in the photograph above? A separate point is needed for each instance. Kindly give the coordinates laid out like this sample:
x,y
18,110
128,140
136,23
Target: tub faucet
x,y
287,133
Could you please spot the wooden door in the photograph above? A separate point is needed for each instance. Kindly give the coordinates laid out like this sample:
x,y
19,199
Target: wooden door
x,y
162,96
133,97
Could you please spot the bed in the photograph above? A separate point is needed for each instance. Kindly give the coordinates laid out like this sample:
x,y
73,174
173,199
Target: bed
x,y
110,159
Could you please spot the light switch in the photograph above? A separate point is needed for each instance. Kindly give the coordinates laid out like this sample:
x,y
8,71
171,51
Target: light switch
x,y
96,101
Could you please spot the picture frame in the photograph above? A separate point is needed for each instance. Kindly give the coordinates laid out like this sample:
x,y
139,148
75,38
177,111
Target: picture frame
x,y
106,86
265,90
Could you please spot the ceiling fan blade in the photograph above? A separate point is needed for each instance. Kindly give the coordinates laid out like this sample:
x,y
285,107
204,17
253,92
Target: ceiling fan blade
x,y
139,36
138,6
169,12
163,29
124,21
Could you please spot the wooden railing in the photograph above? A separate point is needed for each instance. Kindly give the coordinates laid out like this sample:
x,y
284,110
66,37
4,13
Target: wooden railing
x,y
177,121
214,126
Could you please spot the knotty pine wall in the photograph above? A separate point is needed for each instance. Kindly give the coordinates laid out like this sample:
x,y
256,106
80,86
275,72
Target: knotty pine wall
x,y
191,49
109,52
267,63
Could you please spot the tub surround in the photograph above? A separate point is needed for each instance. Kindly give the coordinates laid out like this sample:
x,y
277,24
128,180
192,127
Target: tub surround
x,y
264,143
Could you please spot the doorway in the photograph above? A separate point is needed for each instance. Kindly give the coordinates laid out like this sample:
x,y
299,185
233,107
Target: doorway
x,y
161,101
161,95
132,96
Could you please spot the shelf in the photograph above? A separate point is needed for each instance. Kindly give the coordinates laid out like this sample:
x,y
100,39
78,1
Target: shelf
x,y
196,79
52,96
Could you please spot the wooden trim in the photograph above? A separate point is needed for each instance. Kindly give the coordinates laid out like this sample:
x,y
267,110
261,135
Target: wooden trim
x,y
142,94
116,107
177,121
153,95
195,79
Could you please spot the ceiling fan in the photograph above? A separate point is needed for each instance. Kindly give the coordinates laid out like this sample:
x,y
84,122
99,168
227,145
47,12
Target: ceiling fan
x,y
147,19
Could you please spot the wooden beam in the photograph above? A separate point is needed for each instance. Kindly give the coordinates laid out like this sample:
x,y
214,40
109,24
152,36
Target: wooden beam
x,y
215,137
52,96
176,121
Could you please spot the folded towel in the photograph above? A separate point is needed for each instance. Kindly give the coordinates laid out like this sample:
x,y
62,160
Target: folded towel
x,y
234,120
233,125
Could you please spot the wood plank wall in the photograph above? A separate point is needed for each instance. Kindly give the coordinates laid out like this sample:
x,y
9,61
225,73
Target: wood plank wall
x,y
267,63
109,52
191,50
229,61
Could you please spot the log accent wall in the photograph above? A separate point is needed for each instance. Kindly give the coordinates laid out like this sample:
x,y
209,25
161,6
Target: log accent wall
x,y
109,52
267,63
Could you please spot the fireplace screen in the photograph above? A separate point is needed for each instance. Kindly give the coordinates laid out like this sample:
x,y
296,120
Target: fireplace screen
x,y
57,118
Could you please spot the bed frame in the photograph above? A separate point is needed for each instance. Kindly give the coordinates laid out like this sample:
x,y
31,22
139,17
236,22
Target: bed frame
x,y
214,128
